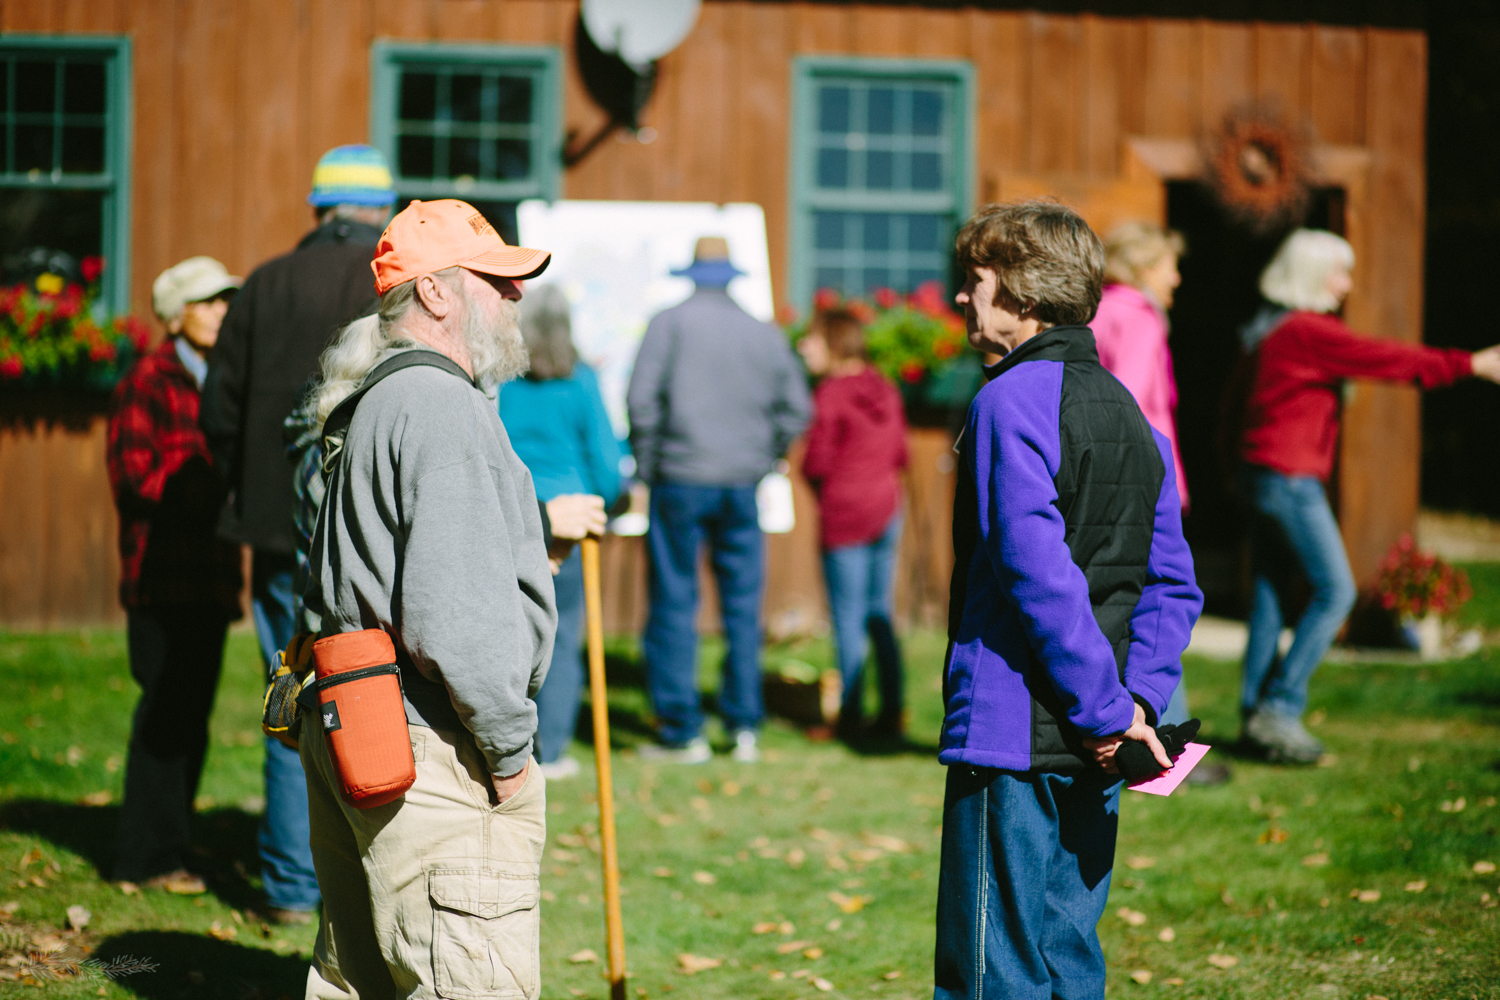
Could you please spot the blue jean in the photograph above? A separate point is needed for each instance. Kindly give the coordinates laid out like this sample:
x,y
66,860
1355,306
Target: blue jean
x,y
683,517
1022,883
1292,533
286,864
860,597
557,701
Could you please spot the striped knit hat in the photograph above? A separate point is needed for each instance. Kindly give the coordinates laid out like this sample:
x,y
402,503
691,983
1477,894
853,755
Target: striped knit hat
x,y
352,175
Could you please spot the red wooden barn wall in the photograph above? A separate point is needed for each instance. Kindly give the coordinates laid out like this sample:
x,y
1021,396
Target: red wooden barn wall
x,y
235,101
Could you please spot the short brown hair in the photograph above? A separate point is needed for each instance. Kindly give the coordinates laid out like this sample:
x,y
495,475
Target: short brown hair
x,y
1045,257
842,331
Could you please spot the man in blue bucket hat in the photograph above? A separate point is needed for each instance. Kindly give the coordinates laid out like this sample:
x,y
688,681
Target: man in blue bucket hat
x,y
715,400
267,349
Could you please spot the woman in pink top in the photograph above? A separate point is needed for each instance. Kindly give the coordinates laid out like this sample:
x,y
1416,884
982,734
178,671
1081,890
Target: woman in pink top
x,y
1130,328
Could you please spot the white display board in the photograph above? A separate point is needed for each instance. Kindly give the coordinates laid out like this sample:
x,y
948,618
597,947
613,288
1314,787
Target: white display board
x,y
613,259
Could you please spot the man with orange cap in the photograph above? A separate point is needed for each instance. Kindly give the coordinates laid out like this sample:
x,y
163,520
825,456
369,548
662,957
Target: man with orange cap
x,y
430,530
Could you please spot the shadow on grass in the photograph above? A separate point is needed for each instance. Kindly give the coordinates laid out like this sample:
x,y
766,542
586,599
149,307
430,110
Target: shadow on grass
x,y
189,966
223,852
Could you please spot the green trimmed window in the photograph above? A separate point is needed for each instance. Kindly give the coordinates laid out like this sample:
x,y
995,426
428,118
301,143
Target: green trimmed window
x,y
880,173
64,159
479,123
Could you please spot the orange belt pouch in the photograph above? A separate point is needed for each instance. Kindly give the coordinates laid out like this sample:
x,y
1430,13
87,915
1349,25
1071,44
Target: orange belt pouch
x,y
363,717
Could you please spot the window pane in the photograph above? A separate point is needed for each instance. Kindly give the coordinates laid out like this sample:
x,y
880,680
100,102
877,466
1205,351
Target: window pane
x,y
515,99
833,109
882,116
926,172
879,170
463,157
36,86
466,100
33,148
828,230
83,149
920,276
829,277
877,277
414,156
877,234
923,232
83,89
926,112
30,219
512,159
418,98
833,168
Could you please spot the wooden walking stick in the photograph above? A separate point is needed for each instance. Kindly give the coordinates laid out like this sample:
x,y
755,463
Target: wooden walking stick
x,y
613,922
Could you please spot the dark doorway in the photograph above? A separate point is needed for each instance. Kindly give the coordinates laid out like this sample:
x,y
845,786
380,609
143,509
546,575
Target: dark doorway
x,y
1218,295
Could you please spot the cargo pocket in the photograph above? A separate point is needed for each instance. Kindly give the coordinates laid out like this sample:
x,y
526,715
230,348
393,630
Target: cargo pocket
x,y
485,932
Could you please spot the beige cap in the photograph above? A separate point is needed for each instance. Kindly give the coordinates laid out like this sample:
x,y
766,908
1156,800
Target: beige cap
x,y
193,280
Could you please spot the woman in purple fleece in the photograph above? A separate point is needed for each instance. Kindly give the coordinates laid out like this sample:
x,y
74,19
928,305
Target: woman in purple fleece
x,y
1072,600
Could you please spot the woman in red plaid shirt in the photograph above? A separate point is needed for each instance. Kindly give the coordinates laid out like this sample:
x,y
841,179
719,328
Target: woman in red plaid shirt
x,y
179,582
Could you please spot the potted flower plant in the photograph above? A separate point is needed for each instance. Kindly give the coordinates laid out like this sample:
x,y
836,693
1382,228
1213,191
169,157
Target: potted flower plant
x,y
55,335
1422,590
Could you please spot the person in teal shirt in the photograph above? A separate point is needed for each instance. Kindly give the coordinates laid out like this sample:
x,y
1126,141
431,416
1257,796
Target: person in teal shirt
x,y
558,426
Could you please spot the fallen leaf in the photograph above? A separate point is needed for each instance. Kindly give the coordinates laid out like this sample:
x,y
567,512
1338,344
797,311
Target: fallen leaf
x,y
1416,886
586,955
222,933
819,834
1142,976
704,878
1484,867
1369,896
1167,935
866,855
78,917
893,974
101,798
1223,961
812,954
691,965
129,888
822,983
1135,918
570,840
849,904
667,819
9,909
1274,835
663,872
760,842
893,844
833,924
558,854
801,973
1139,862
765,927
777,974
1174,981
1316,860
787,928
787,947
795,857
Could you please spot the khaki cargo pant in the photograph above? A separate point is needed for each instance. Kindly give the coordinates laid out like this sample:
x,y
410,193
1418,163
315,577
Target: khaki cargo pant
x,y
433,895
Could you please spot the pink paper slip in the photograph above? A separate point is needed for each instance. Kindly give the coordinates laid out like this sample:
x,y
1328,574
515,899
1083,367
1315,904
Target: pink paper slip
x,y
1166,783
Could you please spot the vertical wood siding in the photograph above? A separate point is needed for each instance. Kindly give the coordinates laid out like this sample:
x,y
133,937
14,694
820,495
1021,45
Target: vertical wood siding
x,y
235,101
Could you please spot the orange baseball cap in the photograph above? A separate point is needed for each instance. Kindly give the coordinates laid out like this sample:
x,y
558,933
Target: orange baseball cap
x,y
429,236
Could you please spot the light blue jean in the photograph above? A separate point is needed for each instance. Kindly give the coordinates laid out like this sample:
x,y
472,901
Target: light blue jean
x,y
286,863
860,582
1292,533
557,701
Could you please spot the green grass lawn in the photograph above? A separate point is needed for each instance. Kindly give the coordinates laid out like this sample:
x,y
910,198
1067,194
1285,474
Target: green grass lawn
x,y
1306,878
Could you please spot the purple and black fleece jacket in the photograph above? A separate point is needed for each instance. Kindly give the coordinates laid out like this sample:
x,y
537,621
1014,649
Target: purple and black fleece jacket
x,y
1073,593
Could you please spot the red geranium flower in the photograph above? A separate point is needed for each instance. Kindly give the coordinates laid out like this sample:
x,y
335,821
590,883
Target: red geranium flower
x,y
92,268
912,371
886,298
826,298
10,367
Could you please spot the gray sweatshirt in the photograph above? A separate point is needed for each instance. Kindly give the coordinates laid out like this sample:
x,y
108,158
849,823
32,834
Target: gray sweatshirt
x,y
430,530
716,397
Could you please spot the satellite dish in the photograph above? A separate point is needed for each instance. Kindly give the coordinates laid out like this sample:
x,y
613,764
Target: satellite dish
x,y
639,32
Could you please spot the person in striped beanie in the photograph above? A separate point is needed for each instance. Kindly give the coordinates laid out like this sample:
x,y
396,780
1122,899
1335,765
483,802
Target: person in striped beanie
x,y
267,350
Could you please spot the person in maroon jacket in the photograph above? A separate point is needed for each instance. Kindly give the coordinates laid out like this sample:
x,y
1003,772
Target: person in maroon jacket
x,y
856,449
1300,353
179,582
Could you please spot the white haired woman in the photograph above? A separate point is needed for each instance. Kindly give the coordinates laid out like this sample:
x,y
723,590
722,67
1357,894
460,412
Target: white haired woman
x,y
1301,352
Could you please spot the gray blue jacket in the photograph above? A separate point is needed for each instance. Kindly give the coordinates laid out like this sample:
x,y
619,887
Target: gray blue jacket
x,y
716,397
1073,593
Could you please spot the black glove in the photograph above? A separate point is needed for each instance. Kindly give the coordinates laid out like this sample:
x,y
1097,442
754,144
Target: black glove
x,y
1136,761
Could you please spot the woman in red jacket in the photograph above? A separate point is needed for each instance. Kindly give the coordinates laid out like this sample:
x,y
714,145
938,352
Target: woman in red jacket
x,y
1301,354
856,449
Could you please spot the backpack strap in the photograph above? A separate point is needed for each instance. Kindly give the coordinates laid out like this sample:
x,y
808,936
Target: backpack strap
x,y
336,427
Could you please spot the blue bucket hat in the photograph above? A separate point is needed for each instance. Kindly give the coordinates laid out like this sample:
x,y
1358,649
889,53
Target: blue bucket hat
x,y
710,264
352,175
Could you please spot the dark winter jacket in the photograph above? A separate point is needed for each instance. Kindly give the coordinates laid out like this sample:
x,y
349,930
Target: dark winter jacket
x,y
856,449
269,344
716,397
1073,590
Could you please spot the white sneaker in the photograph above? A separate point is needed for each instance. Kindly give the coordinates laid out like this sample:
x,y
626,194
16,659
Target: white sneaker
x,y
695,751
746,747
560,769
